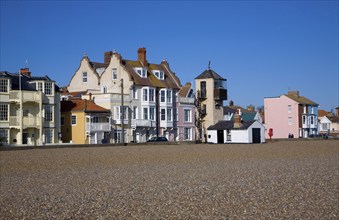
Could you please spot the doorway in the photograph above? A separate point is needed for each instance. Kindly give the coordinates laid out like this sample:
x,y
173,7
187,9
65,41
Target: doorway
x,y
256,137
220,136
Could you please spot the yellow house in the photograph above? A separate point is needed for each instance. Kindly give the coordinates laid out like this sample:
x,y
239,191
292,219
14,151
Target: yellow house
x,y
84,122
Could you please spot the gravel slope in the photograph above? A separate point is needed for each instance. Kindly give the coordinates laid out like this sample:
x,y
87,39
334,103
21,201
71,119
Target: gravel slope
x,y
285,179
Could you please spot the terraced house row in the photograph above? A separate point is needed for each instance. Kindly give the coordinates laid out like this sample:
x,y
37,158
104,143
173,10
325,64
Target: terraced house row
x,y
144,99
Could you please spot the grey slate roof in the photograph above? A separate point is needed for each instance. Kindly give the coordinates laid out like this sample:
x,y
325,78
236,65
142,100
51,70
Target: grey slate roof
x,y
209,74
229,125
25,81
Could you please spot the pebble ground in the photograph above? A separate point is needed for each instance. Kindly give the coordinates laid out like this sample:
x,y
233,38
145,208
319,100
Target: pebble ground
x,y
279,180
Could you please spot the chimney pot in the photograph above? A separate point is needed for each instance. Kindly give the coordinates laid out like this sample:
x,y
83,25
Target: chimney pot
x,y
25,71
107,57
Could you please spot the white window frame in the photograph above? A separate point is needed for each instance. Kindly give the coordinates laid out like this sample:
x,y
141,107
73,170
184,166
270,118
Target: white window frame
x,y
169,96
162,95
289,108
188,134
135,92
39,87
152,113
48,88
4,85
145,94
84,77
169,114
290,121
4,110
114,73
145,113
104,89
163,115
49,110
189,119
142,72
49,135
151,95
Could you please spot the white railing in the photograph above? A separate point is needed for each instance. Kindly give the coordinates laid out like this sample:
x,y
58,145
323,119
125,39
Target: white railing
x,y
27,121
98,126
186,100
27,96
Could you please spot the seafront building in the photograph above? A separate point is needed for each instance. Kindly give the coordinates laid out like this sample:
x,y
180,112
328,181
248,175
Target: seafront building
x,y
291,115
142,97
29,109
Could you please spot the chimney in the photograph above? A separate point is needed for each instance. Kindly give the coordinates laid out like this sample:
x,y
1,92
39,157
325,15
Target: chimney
x,y
295,93
237,120
142,56
107,57
337,111
90,96
250,108
25,71
231,104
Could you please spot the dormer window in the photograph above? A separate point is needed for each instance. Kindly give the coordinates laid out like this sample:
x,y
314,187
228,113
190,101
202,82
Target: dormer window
x,y
4,85
141,72
159,74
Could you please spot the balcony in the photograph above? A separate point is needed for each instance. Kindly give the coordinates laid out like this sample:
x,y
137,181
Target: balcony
x,y
27,96
98,126
186,100
202,94
166,124
142,123
27,121
220,94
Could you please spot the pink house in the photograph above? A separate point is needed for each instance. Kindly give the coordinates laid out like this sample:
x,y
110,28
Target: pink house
x,y
185,115
291,115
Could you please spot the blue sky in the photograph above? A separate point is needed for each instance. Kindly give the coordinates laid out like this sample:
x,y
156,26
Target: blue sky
x,y
262,48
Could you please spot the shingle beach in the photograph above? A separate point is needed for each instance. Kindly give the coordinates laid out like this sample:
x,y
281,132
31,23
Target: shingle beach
x,y
283,179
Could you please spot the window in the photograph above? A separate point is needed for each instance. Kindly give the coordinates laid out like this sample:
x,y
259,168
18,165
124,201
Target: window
x,y
145,113
40,87
74,120
114,74
48,88
289,108
151,95
187,133
304,119
3,112
163,114
104,89
289,120
312,120
48,112
62,120
152,113
156,73
135,112
162,96
84,77
142,72
169,96
4,136
144,95
48,136
3,85
169,114
125,112
187,115
176,115
135,93
162,75
25,113
325,126
203,89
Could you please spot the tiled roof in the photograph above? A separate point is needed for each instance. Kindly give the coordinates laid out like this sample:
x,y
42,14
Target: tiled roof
x,y
229,125
209,74
96,65
322,113
301,99
185,90
333,119
81,105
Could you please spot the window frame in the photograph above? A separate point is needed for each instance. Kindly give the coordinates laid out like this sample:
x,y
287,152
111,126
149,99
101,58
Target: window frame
x,y
74,119
114,73
84,77
4,85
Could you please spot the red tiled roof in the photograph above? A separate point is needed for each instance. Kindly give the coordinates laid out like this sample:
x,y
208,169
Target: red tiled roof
x,y
81,105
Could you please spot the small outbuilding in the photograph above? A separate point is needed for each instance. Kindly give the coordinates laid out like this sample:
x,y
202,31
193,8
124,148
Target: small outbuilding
x,y
236,131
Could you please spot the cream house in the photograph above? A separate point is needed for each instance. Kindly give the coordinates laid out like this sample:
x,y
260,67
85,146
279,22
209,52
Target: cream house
x,y
140,95
211,92
29,109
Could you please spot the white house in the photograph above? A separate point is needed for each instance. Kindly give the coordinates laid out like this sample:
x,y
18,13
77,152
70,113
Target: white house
x,y
236,132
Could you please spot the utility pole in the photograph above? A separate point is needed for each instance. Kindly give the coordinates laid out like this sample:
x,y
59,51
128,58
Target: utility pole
x,y
122,113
